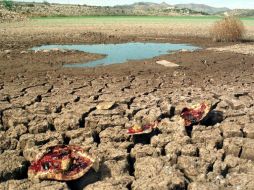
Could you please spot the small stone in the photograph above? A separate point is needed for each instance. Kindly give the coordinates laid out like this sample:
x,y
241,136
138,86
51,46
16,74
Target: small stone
x,y
7,51
105,105
45,51
167,63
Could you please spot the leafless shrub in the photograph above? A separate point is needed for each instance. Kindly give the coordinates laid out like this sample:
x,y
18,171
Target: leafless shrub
x,y
229,29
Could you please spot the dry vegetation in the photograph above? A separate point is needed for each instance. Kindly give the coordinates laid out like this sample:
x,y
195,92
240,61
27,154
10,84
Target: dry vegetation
x,y
229,29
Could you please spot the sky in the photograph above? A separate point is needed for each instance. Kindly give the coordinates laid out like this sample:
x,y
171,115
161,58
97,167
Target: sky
x,y
233,4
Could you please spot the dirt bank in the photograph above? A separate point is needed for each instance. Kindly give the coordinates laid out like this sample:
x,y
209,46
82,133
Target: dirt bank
x,y
42,103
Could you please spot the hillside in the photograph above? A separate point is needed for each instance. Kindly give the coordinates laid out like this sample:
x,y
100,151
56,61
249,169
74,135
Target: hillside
x,y
203,8
136,9
241,12
145,6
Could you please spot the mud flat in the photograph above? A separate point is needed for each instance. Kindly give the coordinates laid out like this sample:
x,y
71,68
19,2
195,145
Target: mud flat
x,y
43,104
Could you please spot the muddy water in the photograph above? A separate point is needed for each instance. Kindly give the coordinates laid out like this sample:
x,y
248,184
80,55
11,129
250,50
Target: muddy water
x,y
120,53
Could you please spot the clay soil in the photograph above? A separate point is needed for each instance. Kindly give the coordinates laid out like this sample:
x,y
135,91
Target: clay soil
x,y
44,104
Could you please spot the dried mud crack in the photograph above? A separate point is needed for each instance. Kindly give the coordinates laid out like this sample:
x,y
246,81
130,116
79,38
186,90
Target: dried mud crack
x,y
44,104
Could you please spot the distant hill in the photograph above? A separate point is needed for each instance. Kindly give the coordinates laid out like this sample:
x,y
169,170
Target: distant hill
x,y
159,6
144,5
240,12
136,9
45,9
203,8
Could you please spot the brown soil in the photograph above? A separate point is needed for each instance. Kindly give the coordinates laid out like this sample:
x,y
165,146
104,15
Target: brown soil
x,y
42,104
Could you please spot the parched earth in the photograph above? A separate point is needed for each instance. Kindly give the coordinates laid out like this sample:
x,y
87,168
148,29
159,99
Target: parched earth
x,y
43,104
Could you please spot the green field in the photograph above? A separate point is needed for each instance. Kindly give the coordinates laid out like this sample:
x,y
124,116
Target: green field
x,y
248,21
123,25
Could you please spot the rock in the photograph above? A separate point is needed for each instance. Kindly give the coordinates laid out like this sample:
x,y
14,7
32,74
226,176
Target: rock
x,y
7,51
55,49
12,165
105,105
46,51
167,63
30,185
109,112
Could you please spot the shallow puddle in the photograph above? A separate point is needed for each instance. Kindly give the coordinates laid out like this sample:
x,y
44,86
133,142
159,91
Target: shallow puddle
x,y
120,53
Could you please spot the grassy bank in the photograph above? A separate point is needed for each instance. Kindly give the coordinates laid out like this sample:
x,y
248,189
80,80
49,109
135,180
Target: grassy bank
x,y
249,21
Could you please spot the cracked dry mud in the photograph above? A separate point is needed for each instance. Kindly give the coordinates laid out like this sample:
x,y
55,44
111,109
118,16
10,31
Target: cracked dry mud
x,y
43,105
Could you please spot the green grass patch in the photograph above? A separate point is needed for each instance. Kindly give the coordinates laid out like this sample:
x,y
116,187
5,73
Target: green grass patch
x,y
133,19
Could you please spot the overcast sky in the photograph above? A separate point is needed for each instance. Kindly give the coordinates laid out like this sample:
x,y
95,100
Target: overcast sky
x,y
249,4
